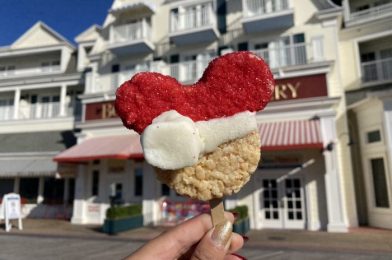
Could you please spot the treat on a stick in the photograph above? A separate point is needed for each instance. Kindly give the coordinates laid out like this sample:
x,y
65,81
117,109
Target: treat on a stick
x,y
202,139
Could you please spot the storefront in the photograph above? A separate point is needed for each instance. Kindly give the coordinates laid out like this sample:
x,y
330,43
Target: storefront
x,y
296,186
27,168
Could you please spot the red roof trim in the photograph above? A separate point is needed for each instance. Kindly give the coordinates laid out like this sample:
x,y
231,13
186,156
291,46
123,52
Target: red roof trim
x,y
318,146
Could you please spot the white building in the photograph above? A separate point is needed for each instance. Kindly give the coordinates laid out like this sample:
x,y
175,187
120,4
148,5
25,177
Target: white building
x,y
305,181
38,105
366,42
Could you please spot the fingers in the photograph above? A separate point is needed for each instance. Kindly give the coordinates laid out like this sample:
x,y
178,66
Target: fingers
x,y
215,243
237,242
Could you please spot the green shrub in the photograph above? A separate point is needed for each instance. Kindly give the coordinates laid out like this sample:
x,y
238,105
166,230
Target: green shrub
x,y
241,210
118,212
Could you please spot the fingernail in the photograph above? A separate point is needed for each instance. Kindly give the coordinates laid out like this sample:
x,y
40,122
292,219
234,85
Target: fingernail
x,y
245,238
239,256
222,233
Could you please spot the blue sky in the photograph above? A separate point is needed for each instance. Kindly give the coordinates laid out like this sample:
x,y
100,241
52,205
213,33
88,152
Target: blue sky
x,y
67,17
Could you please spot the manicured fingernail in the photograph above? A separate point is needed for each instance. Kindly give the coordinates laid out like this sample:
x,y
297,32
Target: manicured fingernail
x,y
222,233
245,238
239,256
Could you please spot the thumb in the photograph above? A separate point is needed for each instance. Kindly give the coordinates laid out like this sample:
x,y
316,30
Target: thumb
x,y
215,243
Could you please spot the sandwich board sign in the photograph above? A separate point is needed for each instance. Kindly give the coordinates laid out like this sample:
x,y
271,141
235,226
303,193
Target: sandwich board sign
x,y
11,209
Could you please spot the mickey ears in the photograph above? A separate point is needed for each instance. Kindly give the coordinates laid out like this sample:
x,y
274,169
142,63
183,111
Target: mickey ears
x,y
232,83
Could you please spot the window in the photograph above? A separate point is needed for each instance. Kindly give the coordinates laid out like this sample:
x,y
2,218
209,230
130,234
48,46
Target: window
x,y
380,187
165,190
28,189
373,136
53,191
138,182
6,186
95,183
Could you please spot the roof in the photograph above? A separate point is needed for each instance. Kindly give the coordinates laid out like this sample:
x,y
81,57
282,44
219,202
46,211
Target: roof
x,y
89,34
36,142
40,28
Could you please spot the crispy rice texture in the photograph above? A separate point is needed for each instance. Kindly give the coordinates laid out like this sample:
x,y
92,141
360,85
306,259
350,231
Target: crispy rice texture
x,y
220,173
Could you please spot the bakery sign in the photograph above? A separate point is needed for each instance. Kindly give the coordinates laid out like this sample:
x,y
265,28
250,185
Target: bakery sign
x,y
285,89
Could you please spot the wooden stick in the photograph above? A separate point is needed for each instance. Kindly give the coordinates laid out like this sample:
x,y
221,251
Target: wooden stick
x,y
217,211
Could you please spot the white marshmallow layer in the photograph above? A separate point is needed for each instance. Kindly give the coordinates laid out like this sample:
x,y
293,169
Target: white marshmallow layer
x,y
174,141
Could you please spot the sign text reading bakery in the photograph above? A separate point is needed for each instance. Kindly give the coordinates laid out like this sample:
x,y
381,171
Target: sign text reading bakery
x,y
285,89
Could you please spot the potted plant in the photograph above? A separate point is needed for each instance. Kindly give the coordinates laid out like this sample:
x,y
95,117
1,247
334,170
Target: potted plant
x,y
122,218
241,225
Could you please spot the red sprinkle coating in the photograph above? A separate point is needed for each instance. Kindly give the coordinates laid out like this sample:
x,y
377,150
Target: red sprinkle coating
x,y
232,83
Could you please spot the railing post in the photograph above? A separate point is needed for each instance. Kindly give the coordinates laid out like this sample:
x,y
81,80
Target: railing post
x,y
16,103
63,96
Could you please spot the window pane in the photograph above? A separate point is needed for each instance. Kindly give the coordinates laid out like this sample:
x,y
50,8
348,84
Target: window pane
x,y
29,189
95,183
165,190
6,186
379,183
138,182
374,136
53,191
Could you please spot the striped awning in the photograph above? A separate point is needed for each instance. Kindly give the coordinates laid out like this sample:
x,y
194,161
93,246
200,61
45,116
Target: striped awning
x,y
289,135
107,147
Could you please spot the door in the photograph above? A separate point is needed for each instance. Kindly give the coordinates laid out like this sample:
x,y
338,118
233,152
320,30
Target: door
x,y
282,203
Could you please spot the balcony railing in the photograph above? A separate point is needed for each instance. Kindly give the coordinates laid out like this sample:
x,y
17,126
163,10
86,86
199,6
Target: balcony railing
x,y
373,12
378,70
260,7
192,18
131,32
35,111
296,54
188,71
6,112
29,71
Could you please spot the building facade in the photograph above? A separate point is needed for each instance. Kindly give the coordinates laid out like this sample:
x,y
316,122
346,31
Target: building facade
x,y
38,108
366,40
305,180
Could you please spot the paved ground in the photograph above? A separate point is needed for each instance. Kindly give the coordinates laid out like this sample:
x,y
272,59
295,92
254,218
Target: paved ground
x,y
53,239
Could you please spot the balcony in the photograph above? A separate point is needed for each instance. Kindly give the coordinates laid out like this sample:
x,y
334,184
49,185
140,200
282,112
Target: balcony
x,y
187,72
192,25
378,71
293,55
14,73
35,111
266,15
129,39
369,14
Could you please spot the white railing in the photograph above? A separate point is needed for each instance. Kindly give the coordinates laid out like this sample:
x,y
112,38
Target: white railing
x,y
29,71
6,112
41,111
188,71
131,32
373,12
191,18
378,70
260,7
295,54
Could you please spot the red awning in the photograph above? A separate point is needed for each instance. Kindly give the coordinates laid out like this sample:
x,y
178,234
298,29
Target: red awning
x,y
289,135
107,147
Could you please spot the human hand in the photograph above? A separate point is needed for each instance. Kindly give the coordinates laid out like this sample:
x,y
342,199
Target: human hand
x,y
194,239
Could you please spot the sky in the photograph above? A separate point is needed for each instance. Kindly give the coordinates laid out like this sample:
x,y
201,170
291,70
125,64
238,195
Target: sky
x,y
67,17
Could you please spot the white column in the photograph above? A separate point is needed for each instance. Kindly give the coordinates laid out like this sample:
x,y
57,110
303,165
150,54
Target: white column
x,y
149,194
335,204
346,10
388,136
78,213
16,103
41,184
63,97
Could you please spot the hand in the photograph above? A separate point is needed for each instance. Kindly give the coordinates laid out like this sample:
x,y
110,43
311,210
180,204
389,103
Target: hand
x,y
194,239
